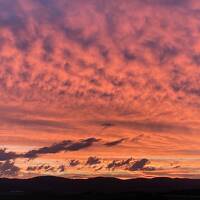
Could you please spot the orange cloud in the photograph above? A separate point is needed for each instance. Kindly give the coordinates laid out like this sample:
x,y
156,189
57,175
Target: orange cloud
x,y
126,72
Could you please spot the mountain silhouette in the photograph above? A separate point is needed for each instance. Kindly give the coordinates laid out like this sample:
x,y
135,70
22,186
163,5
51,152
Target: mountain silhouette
x,y
98,187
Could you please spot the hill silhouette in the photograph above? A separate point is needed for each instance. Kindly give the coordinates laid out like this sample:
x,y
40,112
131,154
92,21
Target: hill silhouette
x,y
99,188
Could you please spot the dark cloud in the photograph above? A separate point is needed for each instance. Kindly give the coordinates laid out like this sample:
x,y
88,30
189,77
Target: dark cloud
x,y
82,144
119,163
114,143
78,36
93,161
67,145
4,155
48,45
149,168
31,168
107,124
61,168
138,165
23,44
185,86
167,53
73,163
42,167
8,169
55,148
106,95
115,81
10,18
151,126
49,168
48,11
128,55
162,52
104,52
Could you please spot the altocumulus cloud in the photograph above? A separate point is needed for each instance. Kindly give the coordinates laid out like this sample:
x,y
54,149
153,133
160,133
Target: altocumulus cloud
x,y
77,67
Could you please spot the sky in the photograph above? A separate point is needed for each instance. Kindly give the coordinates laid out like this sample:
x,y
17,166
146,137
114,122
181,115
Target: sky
x,y
100,88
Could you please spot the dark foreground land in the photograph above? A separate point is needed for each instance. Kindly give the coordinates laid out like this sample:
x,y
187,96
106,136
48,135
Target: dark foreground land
x,y
99,188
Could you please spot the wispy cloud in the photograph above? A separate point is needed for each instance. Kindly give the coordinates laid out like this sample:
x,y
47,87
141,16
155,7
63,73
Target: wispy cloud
x,y
114,143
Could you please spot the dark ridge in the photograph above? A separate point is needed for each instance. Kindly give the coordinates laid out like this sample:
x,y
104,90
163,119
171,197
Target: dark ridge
x,y
98,184
99,188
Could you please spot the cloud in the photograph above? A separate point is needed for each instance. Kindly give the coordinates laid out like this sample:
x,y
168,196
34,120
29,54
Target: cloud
x,y
119,163
73,163
98,169
61,168
55,148
47,168
4,155
152,126
139,165
149,168
92,161
8,169
128,56
85,143
58,73
43,167
107,124
77,35
114,143
31,168
67,145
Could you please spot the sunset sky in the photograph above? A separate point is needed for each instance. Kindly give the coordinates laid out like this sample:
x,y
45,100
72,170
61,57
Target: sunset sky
x,y
100,88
